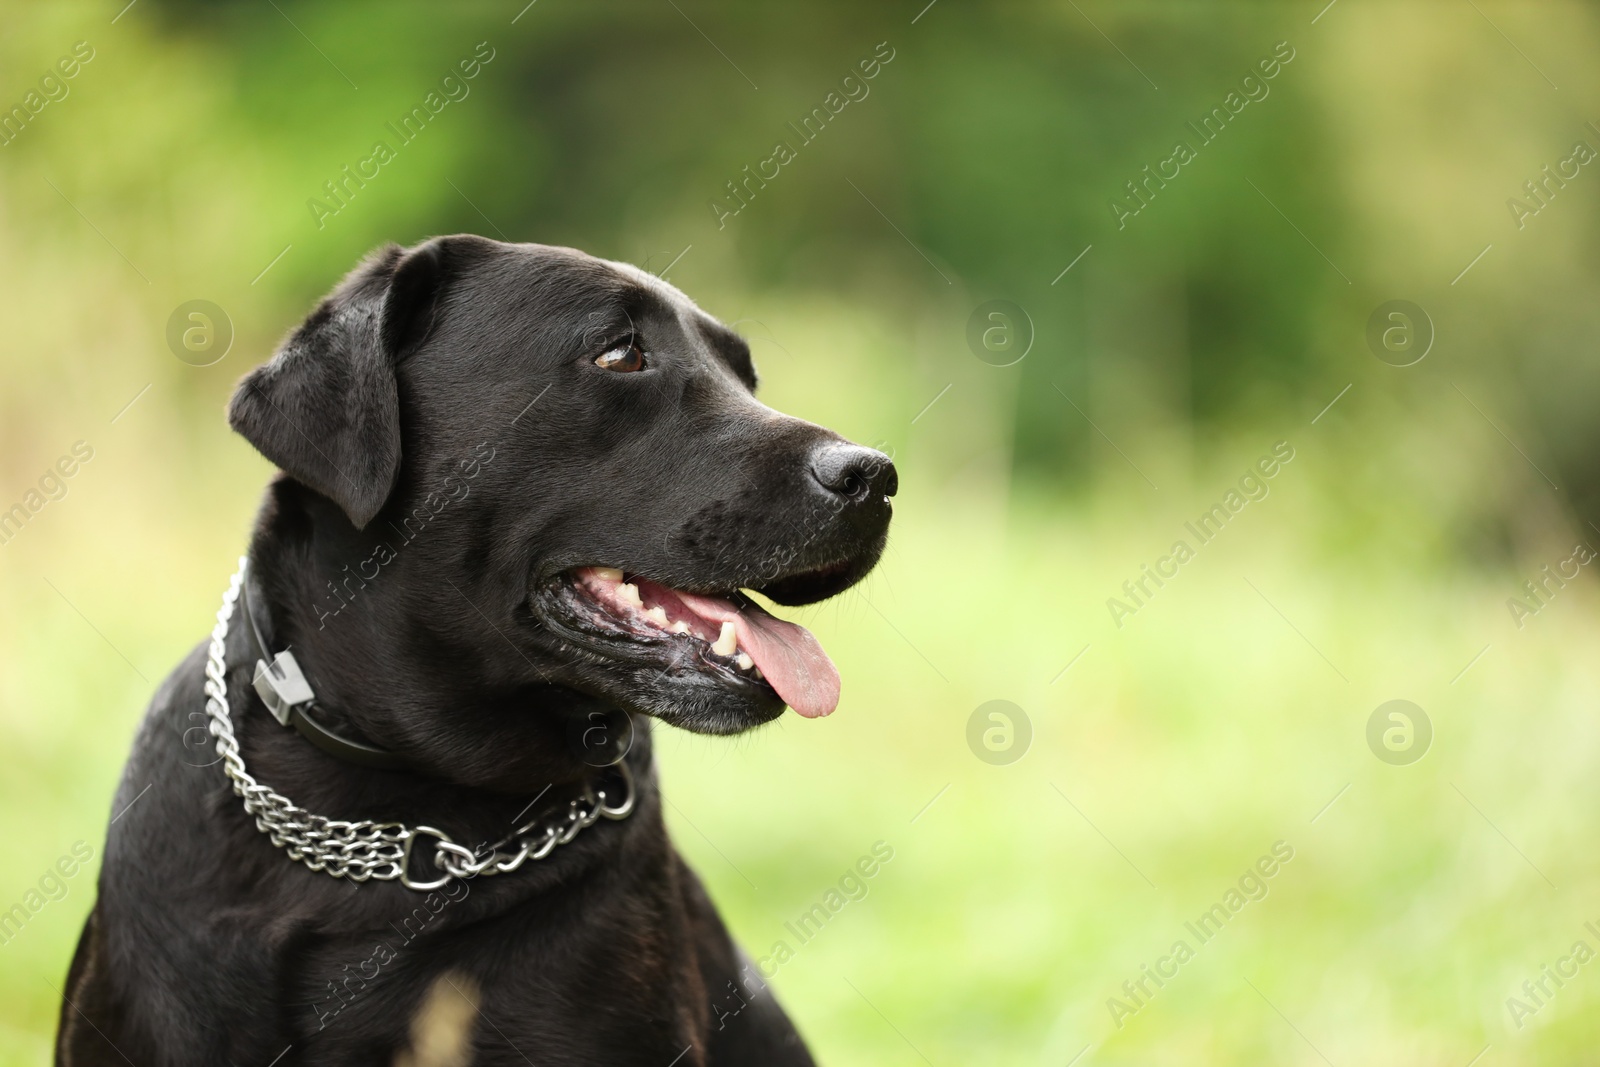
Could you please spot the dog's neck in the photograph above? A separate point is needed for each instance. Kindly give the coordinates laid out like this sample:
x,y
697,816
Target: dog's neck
x,y
400,654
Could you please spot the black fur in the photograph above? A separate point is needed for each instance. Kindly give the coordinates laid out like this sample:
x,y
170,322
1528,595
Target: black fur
x,y
450,451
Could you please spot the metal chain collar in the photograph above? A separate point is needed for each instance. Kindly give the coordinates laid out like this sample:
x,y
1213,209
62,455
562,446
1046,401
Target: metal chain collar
x,y
380,850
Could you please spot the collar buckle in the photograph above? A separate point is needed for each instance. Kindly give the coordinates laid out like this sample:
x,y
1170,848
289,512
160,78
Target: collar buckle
x,y
282,686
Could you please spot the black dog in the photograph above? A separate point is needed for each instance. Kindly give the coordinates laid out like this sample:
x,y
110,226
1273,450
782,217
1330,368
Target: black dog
x,y
522,491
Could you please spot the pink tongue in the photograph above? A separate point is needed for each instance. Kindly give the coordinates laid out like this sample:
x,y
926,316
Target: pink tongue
x,y
789,656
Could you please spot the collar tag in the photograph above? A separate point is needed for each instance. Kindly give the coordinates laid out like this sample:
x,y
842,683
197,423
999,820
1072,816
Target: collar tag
x,y
282,686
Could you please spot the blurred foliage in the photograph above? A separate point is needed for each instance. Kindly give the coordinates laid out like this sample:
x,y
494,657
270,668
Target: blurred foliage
x,y
1225,316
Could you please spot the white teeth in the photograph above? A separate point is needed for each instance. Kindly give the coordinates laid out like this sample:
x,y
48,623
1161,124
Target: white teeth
x,y
629,594
727,641
608,574
744,661
679,627
657,615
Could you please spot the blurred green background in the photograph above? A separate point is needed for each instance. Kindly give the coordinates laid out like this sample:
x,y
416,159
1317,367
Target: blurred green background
x,y
1162,756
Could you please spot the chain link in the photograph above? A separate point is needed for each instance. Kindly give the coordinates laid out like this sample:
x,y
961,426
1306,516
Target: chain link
x,y
380,851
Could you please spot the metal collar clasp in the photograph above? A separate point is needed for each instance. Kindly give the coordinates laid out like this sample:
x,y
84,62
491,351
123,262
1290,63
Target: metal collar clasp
x,y
282,686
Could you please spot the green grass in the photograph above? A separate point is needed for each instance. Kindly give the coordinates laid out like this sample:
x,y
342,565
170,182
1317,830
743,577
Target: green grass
x,y
1187,743
1175,752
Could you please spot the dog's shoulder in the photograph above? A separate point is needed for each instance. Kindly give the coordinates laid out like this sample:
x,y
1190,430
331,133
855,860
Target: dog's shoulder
x,y
746,1024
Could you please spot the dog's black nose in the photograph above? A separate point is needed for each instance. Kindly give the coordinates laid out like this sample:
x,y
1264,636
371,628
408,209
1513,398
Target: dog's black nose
x,y
853,472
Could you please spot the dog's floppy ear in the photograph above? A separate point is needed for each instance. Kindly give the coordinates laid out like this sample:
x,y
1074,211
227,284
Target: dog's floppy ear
x,y
326,409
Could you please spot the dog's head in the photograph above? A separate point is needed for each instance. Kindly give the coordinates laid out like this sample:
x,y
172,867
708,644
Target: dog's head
x,y
574,447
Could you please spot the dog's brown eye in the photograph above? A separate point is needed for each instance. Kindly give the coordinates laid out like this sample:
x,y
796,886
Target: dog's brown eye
x,y
627,356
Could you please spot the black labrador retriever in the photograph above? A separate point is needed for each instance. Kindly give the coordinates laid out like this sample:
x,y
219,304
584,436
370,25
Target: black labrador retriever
x,y
522,491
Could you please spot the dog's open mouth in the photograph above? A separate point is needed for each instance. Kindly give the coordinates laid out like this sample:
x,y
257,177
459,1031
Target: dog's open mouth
x,y
730,636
